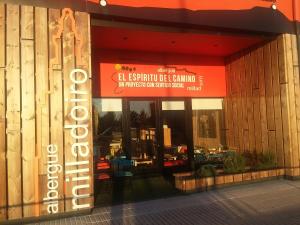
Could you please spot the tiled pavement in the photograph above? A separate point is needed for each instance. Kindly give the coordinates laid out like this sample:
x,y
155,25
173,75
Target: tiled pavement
x,y
270,202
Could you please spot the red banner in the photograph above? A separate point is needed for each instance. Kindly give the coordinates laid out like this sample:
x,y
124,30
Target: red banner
x,y
136,80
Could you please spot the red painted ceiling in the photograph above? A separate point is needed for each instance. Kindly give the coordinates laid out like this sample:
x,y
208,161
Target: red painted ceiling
x,y
170,42
284,6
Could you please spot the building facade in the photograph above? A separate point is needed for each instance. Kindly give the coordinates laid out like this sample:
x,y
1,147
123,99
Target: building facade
x,y
84,84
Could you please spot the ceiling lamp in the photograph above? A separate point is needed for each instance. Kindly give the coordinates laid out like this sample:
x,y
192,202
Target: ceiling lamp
x,y
103,3
274,7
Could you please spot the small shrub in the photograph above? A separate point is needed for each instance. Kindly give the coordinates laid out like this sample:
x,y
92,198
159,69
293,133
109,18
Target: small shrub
x,y
234,163
266,161
207,171
251,158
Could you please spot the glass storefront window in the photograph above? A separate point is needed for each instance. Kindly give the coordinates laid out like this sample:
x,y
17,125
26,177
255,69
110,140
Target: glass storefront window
x,y
174,134
133,145
207,120
107,117
143,133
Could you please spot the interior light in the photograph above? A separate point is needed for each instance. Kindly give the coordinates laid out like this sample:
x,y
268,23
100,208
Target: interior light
x,y
274,7
103,3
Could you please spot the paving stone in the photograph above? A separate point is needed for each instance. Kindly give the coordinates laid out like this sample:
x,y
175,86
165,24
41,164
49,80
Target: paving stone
x,y
269,202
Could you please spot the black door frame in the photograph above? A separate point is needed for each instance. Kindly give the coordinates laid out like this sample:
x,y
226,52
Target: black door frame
x,y
188,127
159,126
126,126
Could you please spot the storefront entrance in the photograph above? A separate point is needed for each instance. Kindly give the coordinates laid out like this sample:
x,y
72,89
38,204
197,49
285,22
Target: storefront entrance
x,y
157,74
157,111
142,128
148,133
138,139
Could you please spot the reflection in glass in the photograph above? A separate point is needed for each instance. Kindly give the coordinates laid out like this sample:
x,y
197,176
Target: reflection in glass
x,y
107,128
108,132
143,133
175,141
207,124
207,136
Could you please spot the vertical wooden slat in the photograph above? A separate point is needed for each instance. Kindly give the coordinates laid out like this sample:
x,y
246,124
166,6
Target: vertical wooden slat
x,y
257,121
272,141
87,51
281,54
68,66
28,110
83,26
42,101
277,104
243,102
286,124
297,87
228,109
292,101
269,99
234,122
56,96
256,105
284,101
3,178
13,113
250,103
262,101
295,63
255,77
2,35
239,104
243,91
234,104
268,88
227,105
248,113
27,22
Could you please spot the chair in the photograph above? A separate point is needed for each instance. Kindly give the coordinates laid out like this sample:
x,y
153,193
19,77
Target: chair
x,y
122,167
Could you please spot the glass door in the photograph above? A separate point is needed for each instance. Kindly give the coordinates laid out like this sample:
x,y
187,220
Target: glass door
x,y
108,136
175,141
143,132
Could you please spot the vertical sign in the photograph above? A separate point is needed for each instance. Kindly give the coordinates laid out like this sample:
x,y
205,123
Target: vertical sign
x,y
76,121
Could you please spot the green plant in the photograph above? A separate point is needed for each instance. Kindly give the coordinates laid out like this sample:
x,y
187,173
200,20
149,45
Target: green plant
x,y
265,161
207,171
251,158
234,163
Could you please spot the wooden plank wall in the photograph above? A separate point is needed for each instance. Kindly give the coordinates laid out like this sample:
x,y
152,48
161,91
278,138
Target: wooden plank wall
x,y
267,108
34,82
3,173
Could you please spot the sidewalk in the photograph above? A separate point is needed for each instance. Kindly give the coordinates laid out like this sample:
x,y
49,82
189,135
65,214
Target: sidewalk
x,y
269,202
